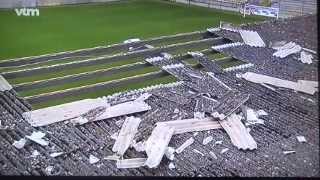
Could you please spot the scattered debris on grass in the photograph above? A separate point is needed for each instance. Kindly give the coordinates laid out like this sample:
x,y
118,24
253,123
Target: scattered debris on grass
x,y
207,140
301,139
224,150
131,163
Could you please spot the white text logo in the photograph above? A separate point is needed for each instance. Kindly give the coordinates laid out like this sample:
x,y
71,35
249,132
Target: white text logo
x,y
27,12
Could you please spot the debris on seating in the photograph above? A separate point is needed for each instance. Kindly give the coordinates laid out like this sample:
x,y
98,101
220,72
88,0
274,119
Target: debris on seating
x,y
305,58
171,166
114,157
301,139
176,111
252,117
185,145
3,127
38,138
128,41
197,151
131,163
207,140
35,153
287,49
288,152
213,155
237,132
191,125
308,88
126,135
224,150
170,153
195,134
157,143
49,170
252,38
19,144
93,159
218,142
114,136
56,154
139,146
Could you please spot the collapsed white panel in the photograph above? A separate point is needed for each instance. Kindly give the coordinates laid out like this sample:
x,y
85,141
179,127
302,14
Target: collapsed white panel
x,y
126,135
252,38
287,49
49,115
37,137
191,125
259,78
124,109
237,132
157,143
4,85
131,163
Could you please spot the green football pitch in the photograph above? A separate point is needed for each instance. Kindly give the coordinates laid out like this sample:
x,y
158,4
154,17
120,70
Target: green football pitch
x,y
71,27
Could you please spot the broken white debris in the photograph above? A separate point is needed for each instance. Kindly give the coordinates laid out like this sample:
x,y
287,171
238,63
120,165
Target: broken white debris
x,y
194,54
237,132
56,154
287,49
191,125
213,30
114,136
252,38
224,150
176,111
185,145
53,114
93,159
170,153
197,151
37,137
301,139
297,86
218,142
157,143
261,112
207,140
171,166
131,163
288,152
213,155
49,169
305,58
195,134
126,135
124,109
198,115
114,157
4,85
35,153
252,117
139,146
131,40
19,144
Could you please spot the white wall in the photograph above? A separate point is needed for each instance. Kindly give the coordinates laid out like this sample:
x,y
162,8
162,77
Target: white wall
x,y
32,3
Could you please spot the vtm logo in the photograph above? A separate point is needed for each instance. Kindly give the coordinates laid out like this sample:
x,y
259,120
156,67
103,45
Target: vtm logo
x,y
27,12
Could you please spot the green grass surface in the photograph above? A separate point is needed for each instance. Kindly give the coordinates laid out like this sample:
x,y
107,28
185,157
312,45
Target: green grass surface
x,y
107,91
89,81
72,71
65,28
